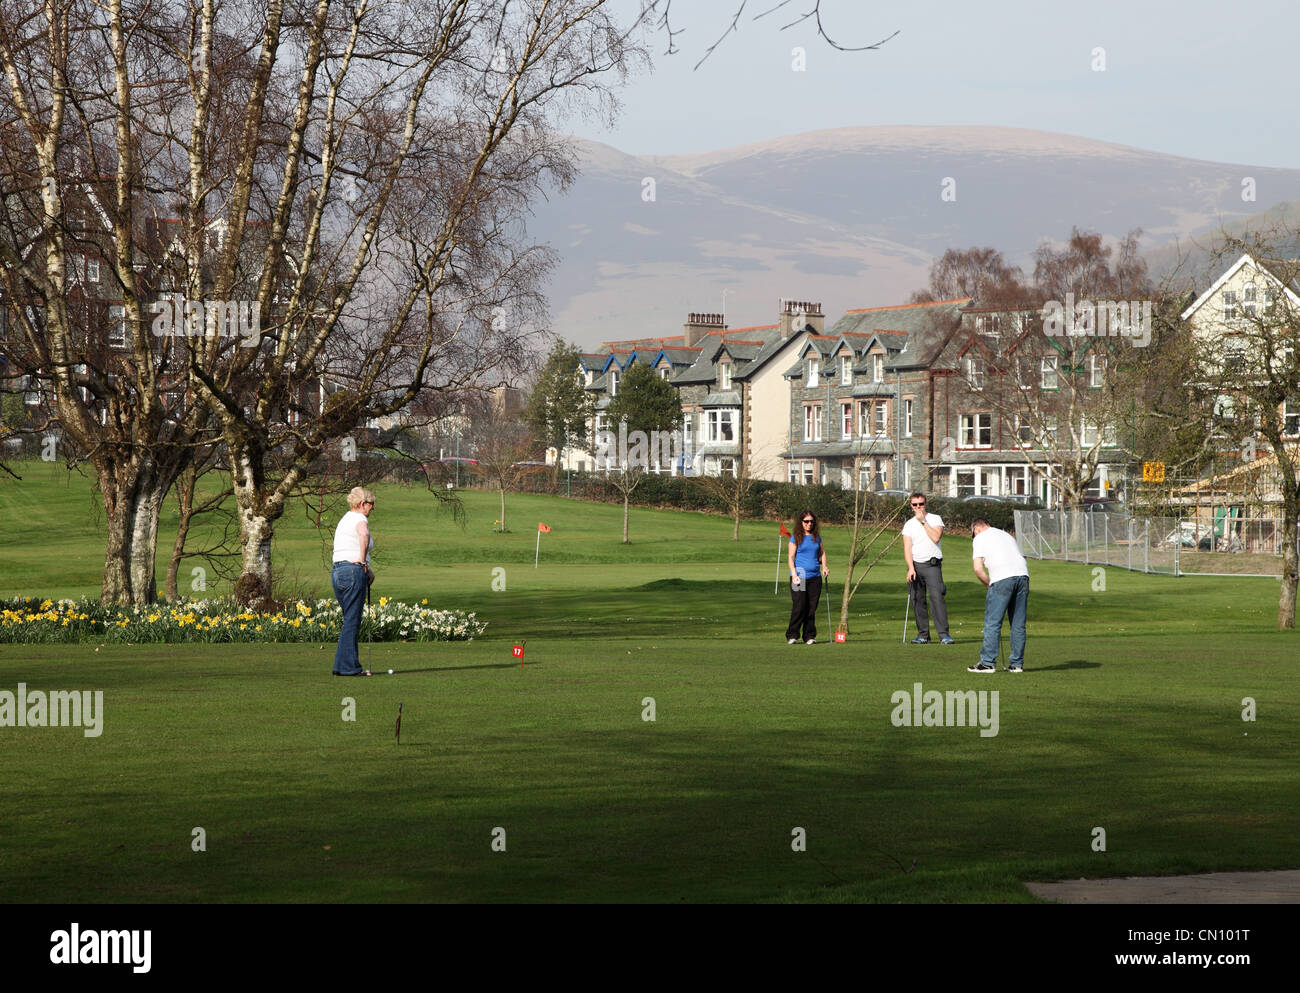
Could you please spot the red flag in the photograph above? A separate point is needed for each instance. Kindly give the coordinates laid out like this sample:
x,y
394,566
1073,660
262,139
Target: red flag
x,y
543,528
785,532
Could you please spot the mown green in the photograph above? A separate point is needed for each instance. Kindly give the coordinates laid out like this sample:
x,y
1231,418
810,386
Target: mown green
x,y
1129,718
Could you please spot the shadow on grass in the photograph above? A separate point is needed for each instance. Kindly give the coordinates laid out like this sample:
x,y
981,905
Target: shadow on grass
x,y
1071,665
457,668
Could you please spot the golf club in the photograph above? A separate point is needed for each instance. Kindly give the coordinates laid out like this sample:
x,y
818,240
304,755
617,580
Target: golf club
x,y
826,592
370,648
905,610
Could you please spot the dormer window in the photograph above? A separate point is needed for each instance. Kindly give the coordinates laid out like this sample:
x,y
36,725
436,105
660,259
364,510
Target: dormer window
x,y
877,368
724,376
613,382
814,373
665,371
846,370
975,372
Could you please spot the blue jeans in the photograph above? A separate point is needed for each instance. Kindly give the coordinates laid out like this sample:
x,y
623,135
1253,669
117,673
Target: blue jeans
x,y
1006,596
349,582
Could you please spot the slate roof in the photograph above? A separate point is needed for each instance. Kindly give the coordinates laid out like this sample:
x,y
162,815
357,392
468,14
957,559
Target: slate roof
x,y
926,327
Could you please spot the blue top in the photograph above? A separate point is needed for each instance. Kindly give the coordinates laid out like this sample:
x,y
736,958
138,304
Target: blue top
x,y
807,560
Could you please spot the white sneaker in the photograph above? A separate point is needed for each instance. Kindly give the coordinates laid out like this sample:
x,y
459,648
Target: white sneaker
x,y
792,641
811,641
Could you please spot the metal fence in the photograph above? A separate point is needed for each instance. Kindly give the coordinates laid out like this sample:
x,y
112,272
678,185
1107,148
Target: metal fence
x,y
1168,545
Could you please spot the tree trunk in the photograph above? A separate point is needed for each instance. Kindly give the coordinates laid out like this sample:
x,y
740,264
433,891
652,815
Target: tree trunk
x,y
1286,601
735,530
626,495
503,509
132,497
185,493
254,586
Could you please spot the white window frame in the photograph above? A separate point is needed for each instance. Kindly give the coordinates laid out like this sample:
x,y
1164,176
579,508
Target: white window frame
x,y
716,420
880,418
1020,428
877,368
975,372
665,371
688,421
846,370
1096,371
613,381
972,426
1249,307
864,418
1291,416
814,373
812,422
724,375
846,421
1229,305
116,337
1049,373
907,418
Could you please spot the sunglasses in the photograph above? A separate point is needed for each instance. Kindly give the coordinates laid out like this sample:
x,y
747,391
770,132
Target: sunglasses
x,y
921,504
810,520
367,502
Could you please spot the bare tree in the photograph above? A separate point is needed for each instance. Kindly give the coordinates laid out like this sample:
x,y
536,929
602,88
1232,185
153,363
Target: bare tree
x,y
1248,352
507,451
732,489
1057,364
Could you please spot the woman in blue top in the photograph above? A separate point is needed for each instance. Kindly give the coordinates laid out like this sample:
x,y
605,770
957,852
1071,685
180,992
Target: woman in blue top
x,y
807,567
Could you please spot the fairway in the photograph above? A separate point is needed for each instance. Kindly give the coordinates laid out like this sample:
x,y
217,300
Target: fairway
x,y
1128,719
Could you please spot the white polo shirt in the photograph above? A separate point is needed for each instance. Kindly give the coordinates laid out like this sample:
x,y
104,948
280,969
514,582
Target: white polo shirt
x,y
1001,554
923,549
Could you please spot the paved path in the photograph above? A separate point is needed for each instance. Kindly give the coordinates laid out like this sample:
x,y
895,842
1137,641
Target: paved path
x,y
1210,887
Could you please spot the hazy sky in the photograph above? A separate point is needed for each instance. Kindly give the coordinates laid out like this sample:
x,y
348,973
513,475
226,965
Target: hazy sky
x,y
1204,80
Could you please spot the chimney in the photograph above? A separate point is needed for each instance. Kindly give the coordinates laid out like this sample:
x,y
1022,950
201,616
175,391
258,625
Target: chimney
x,y
796,314
698,325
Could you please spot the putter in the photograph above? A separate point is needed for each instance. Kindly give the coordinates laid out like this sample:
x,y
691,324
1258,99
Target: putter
x,y
826,591
370,637
905,610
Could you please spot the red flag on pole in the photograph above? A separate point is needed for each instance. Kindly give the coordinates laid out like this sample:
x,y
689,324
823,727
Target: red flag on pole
x,y
785,532
543,528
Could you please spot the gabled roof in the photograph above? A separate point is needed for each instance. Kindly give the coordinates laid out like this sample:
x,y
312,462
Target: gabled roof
x,y
1266,266
913,333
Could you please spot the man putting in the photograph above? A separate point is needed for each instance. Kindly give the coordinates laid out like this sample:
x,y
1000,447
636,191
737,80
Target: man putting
x,y
1007,582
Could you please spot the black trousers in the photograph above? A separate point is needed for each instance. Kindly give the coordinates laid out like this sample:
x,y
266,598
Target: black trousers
x,y
929,579
803,613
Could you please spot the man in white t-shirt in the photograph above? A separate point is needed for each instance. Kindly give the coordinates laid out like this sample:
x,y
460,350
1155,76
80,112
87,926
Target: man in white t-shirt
x,y
921,535
1003,571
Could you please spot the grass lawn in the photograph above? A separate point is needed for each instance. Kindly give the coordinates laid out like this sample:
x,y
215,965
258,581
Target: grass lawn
x,y
1129,718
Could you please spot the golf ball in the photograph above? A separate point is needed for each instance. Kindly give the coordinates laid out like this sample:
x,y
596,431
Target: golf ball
x,y
390,672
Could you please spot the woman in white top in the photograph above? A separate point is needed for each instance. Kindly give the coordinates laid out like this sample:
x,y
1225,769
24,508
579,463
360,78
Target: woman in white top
x,y
351,577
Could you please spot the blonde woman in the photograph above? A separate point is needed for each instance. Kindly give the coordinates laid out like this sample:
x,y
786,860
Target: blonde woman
x,y
351,577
